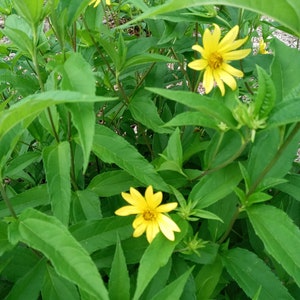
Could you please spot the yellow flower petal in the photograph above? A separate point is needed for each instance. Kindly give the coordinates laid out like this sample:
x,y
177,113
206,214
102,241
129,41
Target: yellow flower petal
x,y
95,2
153,200
135,198
138,221
233,45
228,79
166,207
219,82
198,64
236,55
229,37
167,227
233,71
211,39
127,210
139,230
151,231
198,48
208,80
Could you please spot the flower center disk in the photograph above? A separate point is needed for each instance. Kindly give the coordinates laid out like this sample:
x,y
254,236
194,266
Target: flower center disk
x,y
149,215
215,60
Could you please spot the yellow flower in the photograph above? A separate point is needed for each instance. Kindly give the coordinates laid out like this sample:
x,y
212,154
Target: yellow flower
x,y
97,2
150,217
262,47
216,55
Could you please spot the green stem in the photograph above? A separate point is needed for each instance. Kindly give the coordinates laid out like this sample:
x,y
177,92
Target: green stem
x,y
227,162
274,160
73,177
7,201
182,67
229,228
41,83
52,124
217,148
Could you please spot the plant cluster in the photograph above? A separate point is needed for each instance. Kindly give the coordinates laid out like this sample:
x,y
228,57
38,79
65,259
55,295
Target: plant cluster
x,y
148,150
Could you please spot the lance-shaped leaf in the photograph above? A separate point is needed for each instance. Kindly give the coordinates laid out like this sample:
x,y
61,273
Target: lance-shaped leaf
x,y
33,105
57,162
49,236
285,11
156,256
113,148
252,274
280,236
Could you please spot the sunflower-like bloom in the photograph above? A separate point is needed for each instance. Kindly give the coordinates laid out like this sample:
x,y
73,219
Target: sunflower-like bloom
x,y
215,57
150,217
97,2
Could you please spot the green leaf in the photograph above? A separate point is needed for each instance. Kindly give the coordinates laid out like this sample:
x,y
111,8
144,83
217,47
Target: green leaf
x,y
20,33
215,186
37,196
207,279
119,282
204,214
86,206
144,110
84,119
268,142
20,163
5,245
156,255
56,287
285,112
280,236
175,288
30,10
49,236
265,98
223,148
113,148
99,234
284,70
57,163
193,118
251,274
8,143
258,197
33,105
292,187
29,286
285,11
173,151
70,10
208,106
112,183
78,75
147,58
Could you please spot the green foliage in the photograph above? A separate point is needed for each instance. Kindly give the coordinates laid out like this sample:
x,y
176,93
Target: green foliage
x,y
95,101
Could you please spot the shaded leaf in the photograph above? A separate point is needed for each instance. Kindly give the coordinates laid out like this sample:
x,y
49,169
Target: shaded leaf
x,y
174,289
49,236
156,256
119,282
57,163
251,274
113,148
280,236
29,286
